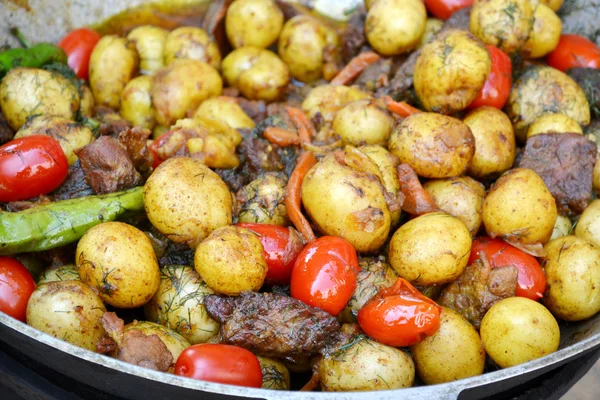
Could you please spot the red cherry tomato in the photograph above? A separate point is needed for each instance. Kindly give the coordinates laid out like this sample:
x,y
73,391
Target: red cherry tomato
x,y
221,363
78,45
324,275
532,282
282,246
399,315
443,9
31,166
574,51
16,286
496,88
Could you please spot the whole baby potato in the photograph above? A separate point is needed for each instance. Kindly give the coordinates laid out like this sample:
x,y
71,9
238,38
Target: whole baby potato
x,y
588,225
113,62
363,122
86,101
150,45
520,207
454,352
572,269
434,145
68,310
328,100
186,201
553,123
226,110
451,71
432,249
276,375
67,272
189,42
545,34
494,142
231,260
136,102
394,27
118,262
262,200
516,330
253,23
30,91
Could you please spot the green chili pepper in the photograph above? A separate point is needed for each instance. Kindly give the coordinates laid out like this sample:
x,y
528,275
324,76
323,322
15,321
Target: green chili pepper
x,y
57,224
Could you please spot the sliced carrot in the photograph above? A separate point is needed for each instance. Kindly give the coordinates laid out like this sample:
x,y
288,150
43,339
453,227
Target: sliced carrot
x,y
302,123
281,137
400,108
417,200
293,198
229,99
355,67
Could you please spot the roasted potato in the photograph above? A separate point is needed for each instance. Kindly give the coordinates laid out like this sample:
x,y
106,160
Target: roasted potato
x,y
30,91
545,34
328,100
186,201
553,123
262,200
67,272
86,101
572,269
520,208
150,45
434,145
432,249
451,71
191,43
562,227
67,310
394,27
363,122
231,260
588,225
432,27
516,330
136,102
226,110
275,374
494,142
254,23
113,62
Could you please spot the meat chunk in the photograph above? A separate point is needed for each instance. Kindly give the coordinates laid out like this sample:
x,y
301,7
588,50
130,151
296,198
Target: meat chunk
x,y
74,186
107,166
134,141
565,161
376,76
214,23
273,325
256,109
111,122
353,38
458,20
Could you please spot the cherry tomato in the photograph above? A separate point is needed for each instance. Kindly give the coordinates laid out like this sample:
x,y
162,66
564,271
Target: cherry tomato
x,y
443,9
78,45
220,363
496,88
324,274
16,286
574,51
399,315
31,166
532,282
282,246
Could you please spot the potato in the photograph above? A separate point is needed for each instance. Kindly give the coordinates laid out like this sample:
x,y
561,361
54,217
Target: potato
x,y
113,62
178,304
174,342
262,200
553,123
67,272
329,99
191,43
118,262
502,23
186,201
275,374
67,310
257,73
149,42
70,135
363,122
460,197
516,330
572,268
86,101
347,200
451,71
394,27
541,90
553,4
434,145
231,260
136,102
494,142
29,91
432,27
519,207
432,249
545,35
253,23
365,364
454,352
180,88
226,110
588,225
562,227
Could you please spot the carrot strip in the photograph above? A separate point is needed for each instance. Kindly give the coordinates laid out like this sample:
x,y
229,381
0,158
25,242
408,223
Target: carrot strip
x,y
293,198
417,200
303,125
281,137
355,67
229,99
400,108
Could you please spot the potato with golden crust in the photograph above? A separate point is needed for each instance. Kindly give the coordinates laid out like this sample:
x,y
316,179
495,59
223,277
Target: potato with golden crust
x,y
545,34
150,45
191,43
328,100
553,123
136,102
226,110
253,23
362,123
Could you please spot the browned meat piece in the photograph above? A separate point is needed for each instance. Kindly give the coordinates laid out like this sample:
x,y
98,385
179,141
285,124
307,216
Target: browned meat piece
x,y
167,251
6,132
376,76
74,186
214,23
289,10
135,142
458,20
107,166
256,109
478,289
353,38
273,326
111,122
565,161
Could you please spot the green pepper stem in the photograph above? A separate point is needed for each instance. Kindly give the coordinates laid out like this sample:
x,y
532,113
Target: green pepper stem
x,y
20,37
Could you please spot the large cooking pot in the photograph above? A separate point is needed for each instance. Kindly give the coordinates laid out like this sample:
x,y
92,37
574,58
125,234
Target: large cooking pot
x,y
48,20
